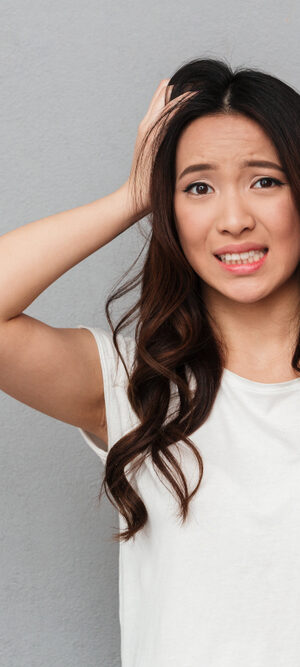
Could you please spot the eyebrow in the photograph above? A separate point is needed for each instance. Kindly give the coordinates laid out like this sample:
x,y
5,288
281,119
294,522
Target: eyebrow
x,y
205,166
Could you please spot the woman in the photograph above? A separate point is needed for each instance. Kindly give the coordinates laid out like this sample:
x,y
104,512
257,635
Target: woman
x,y
211,542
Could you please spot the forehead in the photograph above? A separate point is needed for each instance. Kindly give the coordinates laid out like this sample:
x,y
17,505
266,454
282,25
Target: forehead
x,y
223,139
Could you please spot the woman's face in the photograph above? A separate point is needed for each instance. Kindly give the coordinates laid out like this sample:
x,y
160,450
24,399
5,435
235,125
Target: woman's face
x,y
233,204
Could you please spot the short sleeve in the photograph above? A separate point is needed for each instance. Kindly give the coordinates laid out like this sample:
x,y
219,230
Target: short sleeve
x,y
120,416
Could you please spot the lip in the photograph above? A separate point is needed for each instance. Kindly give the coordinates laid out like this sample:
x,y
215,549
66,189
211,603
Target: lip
x,y
243,269
240,247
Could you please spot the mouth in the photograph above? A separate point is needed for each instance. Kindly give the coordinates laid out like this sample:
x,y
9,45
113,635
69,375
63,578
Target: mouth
x,y
241,262
244,266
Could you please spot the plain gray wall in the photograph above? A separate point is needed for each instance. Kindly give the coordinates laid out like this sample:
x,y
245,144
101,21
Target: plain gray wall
x,y
76,80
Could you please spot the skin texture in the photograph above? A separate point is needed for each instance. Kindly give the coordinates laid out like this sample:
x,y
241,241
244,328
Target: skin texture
x,y
257,314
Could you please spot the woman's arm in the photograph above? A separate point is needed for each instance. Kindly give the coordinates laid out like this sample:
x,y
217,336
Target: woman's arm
x,y
33,256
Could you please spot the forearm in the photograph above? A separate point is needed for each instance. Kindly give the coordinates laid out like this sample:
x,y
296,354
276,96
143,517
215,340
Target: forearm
x,y
33,256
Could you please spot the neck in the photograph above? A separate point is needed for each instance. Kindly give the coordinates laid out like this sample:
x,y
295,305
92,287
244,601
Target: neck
x,y
261,333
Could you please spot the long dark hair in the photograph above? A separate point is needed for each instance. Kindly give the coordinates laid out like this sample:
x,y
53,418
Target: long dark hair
x,y
174,337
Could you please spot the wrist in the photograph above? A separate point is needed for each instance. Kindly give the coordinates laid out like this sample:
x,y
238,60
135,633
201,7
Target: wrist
x,y
134,209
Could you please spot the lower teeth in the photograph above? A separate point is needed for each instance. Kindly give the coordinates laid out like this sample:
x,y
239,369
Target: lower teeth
x,y
245,261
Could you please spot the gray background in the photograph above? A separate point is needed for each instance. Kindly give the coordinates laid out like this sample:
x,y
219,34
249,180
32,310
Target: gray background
x,y
76,79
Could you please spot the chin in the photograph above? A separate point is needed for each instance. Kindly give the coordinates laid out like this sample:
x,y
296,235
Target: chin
x,y
246,296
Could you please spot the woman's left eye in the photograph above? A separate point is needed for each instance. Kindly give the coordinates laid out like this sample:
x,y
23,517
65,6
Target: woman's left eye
x,y
264,178
268,178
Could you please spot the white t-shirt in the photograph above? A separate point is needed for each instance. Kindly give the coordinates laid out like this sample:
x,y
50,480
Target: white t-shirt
x,y
223,589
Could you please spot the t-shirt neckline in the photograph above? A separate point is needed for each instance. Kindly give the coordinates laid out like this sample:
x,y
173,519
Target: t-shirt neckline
x,y
239,380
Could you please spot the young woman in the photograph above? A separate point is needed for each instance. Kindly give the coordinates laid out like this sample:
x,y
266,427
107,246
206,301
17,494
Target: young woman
x,y
197,417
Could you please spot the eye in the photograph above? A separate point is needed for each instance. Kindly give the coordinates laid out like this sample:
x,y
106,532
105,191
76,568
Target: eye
x,y
268,178
199,184
196,185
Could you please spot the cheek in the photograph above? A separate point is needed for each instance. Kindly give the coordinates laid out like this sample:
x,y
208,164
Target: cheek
x,y
192,239
287,238
285,226
191,231
193,244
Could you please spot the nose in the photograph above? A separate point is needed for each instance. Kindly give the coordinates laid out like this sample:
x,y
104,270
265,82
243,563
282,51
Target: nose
x,y
234,216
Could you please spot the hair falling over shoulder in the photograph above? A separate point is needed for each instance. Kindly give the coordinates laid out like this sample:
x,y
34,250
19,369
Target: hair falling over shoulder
x,y
173,335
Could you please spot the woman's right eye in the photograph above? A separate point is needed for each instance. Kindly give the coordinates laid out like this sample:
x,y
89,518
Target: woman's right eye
x,y
196,185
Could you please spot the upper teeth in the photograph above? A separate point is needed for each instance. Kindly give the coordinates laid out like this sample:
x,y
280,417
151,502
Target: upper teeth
x,y
243,255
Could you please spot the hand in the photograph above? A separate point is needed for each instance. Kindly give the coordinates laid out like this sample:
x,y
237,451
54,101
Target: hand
x,y
139,179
